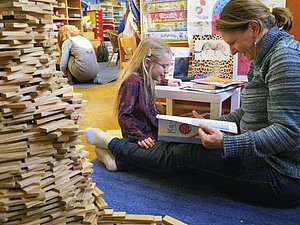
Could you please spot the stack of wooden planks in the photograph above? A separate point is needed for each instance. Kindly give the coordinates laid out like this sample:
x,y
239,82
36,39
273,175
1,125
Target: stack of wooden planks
x,y
44,172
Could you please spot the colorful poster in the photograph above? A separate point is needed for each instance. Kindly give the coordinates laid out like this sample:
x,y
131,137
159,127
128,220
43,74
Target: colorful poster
x,y
166,20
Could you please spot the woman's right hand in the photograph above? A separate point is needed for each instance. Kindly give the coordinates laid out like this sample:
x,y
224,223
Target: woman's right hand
x,y
146,143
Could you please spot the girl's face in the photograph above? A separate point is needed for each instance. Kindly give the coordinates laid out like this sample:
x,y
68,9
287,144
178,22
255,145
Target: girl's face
x,y
240,42
161,67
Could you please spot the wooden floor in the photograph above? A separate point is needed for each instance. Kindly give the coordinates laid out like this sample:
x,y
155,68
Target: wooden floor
x,y
99,111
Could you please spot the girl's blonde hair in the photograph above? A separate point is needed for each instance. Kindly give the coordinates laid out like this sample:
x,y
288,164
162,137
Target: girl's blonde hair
x,y
149,48
237,14
66,32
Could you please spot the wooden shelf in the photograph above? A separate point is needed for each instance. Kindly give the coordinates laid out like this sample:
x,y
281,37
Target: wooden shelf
x,y
71,9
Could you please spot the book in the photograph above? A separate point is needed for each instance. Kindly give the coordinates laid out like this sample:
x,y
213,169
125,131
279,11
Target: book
x,y
210,91
204,86
217,124
185,129
215,82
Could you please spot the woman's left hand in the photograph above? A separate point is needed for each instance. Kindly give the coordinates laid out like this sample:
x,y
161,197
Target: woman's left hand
x,y
211,138
174,82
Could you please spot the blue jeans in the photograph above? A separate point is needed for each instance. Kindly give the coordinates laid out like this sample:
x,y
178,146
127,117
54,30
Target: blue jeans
x,y
250,177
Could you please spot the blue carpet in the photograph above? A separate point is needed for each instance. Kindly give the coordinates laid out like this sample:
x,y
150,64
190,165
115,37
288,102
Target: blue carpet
x,y
182,197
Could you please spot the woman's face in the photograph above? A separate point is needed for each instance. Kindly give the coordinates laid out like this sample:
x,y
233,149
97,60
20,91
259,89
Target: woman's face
x,y
161,67
240,42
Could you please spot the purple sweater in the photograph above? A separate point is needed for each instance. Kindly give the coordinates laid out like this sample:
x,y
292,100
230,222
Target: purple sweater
x,y
136,114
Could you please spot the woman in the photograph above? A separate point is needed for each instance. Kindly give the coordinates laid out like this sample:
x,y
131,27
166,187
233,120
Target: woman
x,y
262,163
78,58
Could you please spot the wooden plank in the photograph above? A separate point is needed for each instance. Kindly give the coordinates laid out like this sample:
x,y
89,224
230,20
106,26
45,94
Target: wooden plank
x,y
168,220
9,53
50,118
54,125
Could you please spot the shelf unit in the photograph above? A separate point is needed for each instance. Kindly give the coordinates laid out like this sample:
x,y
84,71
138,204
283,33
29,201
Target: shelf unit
x,y
118,14
67,12
111,15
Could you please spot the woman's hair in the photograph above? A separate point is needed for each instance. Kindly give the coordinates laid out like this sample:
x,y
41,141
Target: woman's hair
x,y
237,14
151,48
66,32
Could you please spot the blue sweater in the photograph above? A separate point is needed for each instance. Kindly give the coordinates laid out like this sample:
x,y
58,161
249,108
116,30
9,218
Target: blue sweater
x,y
269,117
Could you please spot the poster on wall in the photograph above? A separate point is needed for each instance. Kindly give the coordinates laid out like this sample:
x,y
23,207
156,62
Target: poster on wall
x,y
165,19
201,19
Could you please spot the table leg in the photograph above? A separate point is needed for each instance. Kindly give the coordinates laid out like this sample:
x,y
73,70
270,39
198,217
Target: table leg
x,y
235,100
170,106
215,110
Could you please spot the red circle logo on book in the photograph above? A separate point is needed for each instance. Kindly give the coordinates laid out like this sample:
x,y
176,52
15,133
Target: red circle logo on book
x,y
185,128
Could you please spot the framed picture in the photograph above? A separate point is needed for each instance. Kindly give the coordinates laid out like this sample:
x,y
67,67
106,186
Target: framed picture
x,y
211,56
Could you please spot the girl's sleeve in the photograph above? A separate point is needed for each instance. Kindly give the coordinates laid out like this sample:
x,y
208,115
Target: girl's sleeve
x,y
65,54
129,122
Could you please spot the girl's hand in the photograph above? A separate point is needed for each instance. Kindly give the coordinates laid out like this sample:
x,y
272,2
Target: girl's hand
x,y
146,143
174,82
211,138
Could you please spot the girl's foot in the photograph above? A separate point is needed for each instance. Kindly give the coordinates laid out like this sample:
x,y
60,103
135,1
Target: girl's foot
x,y
107,158
98,137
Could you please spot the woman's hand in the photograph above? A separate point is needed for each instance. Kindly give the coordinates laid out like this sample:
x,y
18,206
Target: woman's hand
x,y
146,143
174,82
211,138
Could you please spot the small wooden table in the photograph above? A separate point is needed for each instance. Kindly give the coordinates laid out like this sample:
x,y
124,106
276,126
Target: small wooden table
x,y
175,93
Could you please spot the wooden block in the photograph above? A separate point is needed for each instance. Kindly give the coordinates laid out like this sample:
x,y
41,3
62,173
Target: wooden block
x,y
50,118
139,218
9,53
69,128
168,220
54,125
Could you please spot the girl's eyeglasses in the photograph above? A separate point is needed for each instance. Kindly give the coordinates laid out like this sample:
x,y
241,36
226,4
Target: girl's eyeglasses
x,y
165,67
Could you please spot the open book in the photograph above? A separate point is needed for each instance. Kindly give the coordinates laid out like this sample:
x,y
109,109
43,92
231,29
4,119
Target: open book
x,y
185,129
214,83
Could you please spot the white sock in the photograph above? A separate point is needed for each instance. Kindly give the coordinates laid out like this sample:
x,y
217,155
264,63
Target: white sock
x,y
107,158
97,137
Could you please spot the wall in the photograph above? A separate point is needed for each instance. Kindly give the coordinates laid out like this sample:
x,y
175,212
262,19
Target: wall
x,y
294,6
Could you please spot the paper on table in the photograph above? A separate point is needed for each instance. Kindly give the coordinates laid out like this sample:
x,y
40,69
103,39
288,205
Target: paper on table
x,y
217,124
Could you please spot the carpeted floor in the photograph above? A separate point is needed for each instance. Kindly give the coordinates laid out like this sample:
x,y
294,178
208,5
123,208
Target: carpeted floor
x,y
183,197
106,75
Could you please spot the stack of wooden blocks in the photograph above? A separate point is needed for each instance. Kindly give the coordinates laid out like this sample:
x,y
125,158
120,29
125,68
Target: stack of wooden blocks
x,y
44,172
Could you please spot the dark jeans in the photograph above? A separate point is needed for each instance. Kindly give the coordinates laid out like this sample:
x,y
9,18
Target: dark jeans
x,y
251,178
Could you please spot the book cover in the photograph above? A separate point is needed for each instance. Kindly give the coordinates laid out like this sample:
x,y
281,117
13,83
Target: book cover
x,y
185,129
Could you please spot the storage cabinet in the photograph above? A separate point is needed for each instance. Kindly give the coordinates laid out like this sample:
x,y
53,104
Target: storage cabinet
x,y
67,12
111,16
97,21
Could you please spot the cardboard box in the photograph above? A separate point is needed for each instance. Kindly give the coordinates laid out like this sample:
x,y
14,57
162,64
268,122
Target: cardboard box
x,y
185,129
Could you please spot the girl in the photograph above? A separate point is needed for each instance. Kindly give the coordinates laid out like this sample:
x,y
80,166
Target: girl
x,y
78,58
136,102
